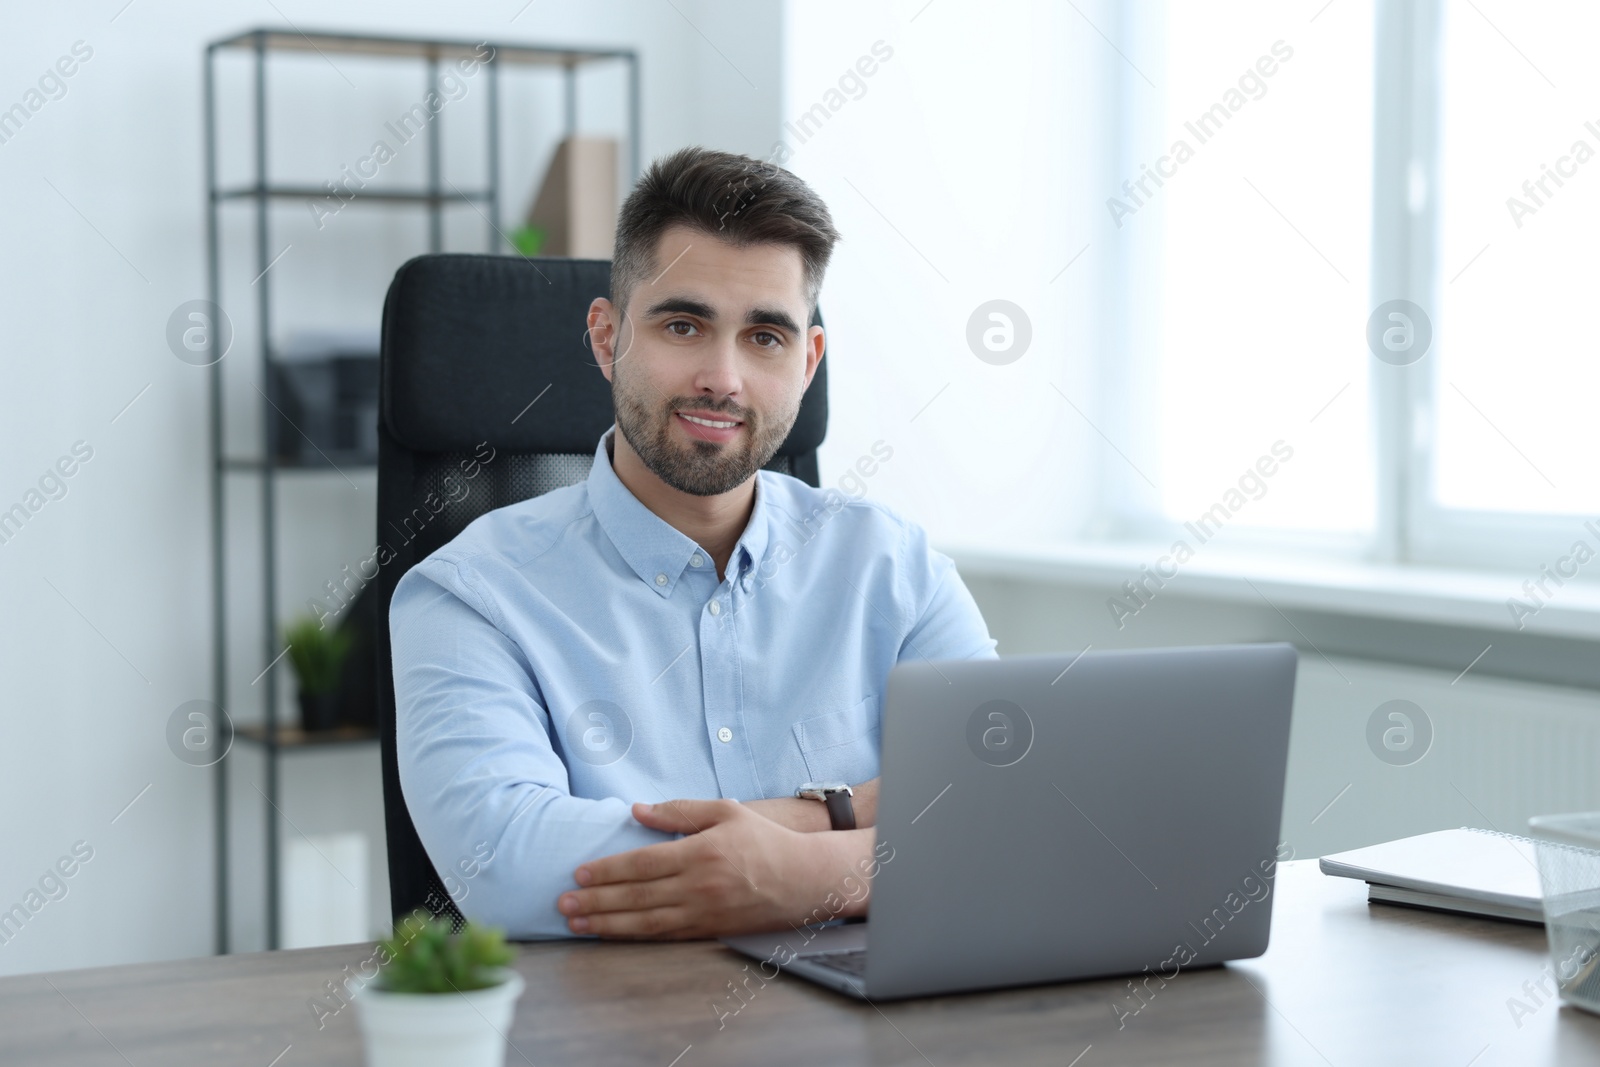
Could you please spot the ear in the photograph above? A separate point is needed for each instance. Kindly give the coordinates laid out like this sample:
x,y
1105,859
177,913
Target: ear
x,y
816,344
603,334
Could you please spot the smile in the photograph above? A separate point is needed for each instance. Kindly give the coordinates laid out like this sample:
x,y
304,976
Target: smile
x,y
717,430
716,424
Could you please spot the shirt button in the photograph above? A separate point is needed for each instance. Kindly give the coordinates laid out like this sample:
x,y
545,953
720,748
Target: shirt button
x,y
716,609
695,560
724,734
661,579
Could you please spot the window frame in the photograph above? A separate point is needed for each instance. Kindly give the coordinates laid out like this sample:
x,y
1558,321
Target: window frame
x,y
1425,531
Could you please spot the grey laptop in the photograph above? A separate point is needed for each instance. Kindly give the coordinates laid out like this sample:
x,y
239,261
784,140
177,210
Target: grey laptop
x,y
1044,818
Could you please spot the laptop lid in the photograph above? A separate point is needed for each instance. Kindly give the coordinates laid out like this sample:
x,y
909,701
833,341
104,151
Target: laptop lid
x,y
1056,817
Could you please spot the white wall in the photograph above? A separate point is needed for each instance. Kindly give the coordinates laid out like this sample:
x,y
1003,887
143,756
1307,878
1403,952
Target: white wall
x,y
963,173
107,589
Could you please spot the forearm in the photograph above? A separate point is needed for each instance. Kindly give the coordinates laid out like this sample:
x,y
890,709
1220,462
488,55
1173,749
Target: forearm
x,y
537,838
733,872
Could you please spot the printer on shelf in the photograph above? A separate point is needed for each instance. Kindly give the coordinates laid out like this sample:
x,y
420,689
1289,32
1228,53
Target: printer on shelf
x,y
325,387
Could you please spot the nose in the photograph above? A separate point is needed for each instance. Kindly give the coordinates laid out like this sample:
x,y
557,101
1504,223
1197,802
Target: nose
x,y
718,376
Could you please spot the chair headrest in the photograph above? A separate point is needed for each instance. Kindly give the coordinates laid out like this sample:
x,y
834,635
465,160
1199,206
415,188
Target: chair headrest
x,y
470,340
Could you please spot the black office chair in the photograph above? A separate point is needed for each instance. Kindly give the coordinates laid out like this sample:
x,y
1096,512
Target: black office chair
x,y
489,352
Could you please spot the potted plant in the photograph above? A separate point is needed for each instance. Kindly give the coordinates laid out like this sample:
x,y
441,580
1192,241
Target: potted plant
x,y
440,997
318,654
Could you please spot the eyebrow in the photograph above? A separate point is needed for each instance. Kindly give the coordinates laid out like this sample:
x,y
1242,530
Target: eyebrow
x,y
681,306
772,317
758,316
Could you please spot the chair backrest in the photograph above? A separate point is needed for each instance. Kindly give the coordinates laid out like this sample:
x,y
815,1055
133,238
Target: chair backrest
x,y
488,383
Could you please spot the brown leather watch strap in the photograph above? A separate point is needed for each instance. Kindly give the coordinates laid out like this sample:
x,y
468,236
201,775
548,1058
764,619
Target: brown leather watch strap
x,y
841,813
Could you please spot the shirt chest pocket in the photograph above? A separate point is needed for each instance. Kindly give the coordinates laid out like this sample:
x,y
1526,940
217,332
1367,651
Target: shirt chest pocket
x,y
841,745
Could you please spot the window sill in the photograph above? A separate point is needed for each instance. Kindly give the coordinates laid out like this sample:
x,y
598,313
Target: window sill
x,y
1457,598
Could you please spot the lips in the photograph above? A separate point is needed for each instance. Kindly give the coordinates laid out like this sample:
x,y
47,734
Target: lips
x,y
708,426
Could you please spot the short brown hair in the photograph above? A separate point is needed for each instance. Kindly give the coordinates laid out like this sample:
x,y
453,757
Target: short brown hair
x,y
736,198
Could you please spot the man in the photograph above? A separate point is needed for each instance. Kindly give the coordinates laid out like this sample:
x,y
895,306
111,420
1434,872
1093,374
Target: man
x,y
683,630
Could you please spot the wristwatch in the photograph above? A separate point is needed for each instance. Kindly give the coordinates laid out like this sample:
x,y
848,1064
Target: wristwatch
x,y
836,795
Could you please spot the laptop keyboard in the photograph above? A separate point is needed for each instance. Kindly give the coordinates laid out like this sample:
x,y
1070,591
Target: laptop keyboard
x,y
851,961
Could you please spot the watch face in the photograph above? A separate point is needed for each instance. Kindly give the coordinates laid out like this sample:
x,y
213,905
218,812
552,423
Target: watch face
x,y
818,789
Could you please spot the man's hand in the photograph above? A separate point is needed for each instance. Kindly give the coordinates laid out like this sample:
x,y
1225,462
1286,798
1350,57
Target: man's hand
x,y
737,872
809,816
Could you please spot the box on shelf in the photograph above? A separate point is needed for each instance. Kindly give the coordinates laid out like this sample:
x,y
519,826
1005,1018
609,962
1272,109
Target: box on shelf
x,y
576,208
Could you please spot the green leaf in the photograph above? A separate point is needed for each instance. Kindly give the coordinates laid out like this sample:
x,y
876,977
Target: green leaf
x,y
317,653
426,957
528,239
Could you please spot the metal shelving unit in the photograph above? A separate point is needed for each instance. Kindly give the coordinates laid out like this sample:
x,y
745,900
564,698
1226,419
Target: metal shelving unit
x,y
259,45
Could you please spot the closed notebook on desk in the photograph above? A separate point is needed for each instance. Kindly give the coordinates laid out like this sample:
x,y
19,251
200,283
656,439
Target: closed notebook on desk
x,y
1478,872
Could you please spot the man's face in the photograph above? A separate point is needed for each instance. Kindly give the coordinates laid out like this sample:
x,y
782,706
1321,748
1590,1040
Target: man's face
x,y
709,366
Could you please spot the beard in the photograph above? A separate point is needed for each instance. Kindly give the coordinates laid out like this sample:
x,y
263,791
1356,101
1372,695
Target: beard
x,y
700,468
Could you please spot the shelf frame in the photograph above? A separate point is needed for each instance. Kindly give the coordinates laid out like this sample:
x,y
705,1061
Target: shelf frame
x,y
366,196
293,737
261,193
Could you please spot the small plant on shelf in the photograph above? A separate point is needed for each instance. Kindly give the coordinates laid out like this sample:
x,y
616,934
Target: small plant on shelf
x,y
528,240
318,654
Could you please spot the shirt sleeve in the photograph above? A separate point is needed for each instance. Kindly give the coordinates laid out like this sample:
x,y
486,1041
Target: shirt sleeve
x,y
477,767
946,621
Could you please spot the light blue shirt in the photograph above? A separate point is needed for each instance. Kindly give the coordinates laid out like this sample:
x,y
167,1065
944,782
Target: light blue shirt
x,y
567,656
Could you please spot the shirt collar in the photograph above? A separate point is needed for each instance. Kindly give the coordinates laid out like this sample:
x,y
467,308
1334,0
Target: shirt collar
x,y
656,551
752,546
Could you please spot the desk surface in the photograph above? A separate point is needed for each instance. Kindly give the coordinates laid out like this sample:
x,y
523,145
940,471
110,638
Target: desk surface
x,y
1343,983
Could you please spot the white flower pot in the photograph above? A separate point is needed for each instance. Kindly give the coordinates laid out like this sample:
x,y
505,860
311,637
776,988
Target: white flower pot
x,y
429,1029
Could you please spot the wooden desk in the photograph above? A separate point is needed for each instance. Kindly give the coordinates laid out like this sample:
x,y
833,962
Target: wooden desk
x,y
1342,984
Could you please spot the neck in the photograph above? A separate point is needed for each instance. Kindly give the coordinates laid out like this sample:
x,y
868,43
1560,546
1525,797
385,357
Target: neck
x,y
712,522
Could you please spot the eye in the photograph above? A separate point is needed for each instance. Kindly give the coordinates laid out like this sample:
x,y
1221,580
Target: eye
x,y
689,329
766,339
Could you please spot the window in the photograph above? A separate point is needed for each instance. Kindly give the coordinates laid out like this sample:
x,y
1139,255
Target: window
x,y
1518,213
1253,260
1316,161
